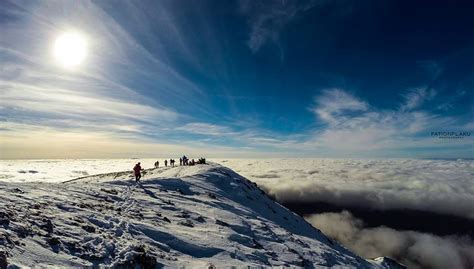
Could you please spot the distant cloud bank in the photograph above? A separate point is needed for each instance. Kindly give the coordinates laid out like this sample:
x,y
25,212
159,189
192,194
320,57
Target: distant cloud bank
x,y
414,249
438,186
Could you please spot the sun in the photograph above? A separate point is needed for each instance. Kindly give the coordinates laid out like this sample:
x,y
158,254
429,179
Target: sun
x,y
70,49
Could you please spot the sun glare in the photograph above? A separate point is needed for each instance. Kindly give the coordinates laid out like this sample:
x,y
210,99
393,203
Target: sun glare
x,y
70,49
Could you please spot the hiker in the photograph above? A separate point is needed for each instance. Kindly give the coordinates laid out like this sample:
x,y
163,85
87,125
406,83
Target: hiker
x,y
180,161
166,163
157,164
172,162
137,169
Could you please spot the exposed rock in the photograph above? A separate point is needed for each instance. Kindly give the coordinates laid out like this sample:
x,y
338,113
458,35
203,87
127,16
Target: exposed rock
x,y
3,260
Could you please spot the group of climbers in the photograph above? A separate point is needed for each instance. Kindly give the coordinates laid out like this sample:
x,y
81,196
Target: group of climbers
x,y
182,161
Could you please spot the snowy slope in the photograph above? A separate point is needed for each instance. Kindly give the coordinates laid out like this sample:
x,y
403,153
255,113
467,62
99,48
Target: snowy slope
x,y
197,217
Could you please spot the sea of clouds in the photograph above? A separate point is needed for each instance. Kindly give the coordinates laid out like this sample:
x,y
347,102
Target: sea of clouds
x,y
414,249
439,186
62,170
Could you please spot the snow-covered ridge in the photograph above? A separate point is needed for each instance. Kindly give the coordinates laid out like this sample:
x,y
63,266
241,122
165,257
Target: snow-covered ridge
x,y
195,216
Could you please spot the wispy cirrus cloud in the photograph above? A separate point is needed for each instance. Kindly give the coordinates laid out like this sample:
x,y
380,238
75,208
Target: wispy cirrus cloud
x,y
68,140
131,86
268,18
332,105
206,129
103,92
353,126
416,97
69,102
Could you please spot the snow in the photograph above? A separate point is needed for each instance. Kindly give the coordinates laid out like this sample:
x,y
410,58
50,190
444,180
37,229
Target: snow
x,y
197,217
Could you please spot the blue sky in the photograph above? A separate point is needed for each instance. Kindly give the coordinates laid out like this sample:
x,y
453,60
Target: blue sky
x,y
238,79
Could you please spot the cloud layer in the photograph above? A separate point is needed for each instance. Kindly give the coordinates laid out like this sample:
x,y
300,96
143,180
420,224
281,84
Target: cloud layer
x,y
414,249
438,186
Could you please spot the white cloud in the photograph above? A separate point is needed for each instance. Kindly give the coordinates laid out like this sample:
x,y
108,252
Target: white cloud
x,y
414,249
355,128
442,187
352,128
97,96
332,104
73,102
206,129
253,137
267,20
416,97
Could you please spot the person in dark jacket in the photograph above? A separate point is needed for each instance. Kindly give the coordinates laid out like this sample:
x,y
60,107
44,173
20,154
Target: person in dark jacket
x,y
137,170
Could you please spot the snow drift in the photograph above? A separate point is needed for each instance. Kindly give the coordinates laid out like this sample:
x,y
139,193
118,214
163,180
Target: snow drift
x,y
197,217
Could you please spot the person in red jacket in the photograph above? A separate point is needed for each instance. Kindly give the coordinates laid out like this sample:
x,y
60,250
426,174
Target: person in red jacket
x,y
137,169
